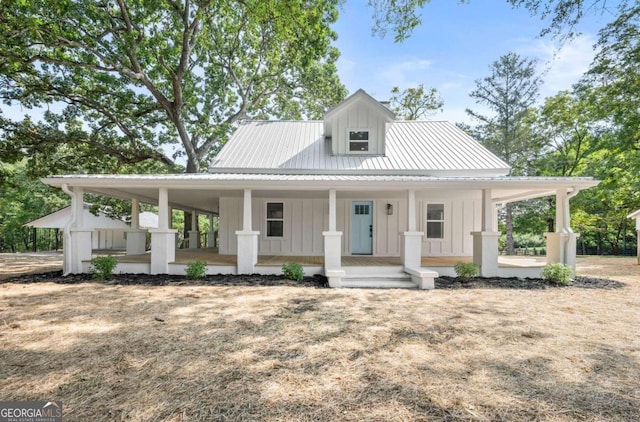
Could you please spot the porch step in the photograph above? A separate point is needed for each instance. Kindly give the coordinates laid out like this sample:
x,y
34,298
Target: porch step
x,y
386,277
379,282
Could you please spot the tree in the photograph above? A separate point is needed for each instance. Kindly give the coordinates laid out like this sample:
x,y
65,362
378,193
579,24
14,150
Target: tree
x,y
564,15
613,81
401,17
415,103
572,131
131,76
398,16
509,92
23,199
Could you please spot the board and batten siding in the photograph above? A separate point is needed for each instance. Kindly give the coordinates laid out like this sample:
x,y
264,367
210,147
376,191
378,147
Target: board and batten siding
x,y
306,219
230,214
463,213
304,222
359,117
386,228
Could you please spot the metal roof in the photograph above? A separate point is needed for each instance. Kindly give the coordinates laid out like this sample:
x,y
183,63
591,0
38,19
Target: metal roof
x,y
412,147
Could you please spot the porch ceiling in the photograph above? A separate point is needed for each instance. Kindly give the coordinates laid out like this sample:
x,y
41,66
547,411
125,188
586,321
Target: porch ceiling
x,y
201,200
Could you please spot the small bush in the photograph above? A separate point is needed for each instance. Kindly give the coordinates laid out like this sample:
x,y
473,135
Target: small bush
x,y
558,273
196,270
466,270
102,266
293,271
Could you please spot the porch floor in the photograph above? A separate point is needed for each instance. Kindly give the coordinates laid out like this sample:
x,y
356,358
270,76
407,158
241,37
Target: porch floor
x,y
212,257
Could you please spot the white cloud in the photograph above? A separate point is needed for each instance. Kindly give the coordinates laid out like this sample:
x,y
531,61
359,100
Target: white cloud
x,y
404,74
563,66
449,86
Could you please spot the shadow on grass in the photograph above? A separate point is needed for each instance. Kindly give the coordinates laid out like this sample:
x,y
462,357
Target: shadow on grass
x,y
122,353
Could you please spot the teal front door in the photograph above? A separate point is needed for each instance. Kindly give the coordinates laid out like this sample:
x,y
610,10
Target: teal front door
x,y
362,227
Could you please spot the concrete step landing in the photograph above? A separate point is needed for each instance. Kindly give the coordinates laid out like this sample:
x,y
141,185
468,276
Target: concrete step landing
x,y
387,277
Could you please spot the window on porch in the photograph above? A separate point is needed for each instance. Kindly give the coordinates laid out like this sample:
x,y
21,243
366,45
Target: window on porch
x,y
275,219
435,221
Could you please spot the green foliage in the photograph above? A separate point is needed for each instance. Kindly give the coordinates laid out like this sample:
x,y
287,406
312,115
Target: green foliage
x,y
415,103
23,199
155,74
560,16
399,17
293,271
528,240
196,270
509,92
466,270
558,273
102,266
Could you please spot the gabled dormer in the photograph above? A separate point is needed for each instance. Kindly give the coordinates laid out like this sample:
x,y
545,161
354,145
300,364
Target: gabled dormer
x,y
358,125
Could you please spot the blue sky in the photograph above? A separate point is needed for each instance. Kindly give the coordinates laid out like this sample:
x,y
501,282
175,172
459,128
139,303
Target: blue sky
x,y
454,46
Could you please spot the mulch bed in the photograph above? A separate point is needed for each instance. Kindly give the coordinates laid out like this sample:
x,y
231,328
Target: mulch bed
x,y
317,281
525,283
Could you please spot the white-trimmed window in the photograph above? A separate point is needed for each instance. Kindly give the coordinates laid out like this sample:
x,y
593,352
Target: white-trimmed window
x,y
358,140
435,221
275,219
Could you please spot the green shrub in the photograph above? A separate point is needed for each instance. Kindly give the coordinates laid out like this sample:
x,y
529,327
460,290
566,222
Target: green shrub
x,y
293,271
558,273
102,266
466,270
196,270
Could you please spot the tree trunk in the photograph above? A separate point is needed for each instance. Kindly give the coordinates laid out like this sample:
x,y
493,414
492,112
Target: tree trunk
x,y
509,229
193,166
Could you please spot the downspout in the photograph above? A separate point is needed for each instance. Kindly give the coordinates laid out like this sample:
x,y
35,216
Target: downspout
x,y
567,212
67,232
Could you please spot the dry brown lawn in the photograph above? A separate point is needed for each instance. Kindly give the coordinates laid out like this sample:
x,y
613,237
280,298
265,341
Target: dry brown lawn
x,y
13,265
173,353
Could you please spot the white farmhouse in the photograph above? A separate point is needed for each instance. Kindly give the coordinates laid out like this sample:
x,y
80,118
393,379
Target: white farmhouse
x,y
363,198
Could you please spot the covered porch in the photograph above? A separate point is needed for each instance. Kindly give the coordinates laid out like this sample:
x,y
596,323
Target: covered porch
x,y
324,222
271,264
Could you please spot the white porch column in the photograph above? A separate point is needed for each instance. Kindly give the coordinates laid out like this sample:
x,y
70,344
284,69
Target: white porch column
x,y
193,233
136,238
561,245
211,234
163,245
247,257
485,242
411,243
80,247
572,238
638,242
557,240
333,246
638,237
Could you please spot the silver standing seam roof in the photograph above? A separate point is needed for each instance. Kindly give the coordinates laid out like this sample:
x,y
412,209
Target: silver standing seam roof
x,y
426,148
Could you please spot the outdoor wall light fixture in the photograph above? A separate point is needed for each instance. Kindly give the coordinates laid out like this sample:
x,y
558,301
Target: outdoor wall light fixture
x,y
389,209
